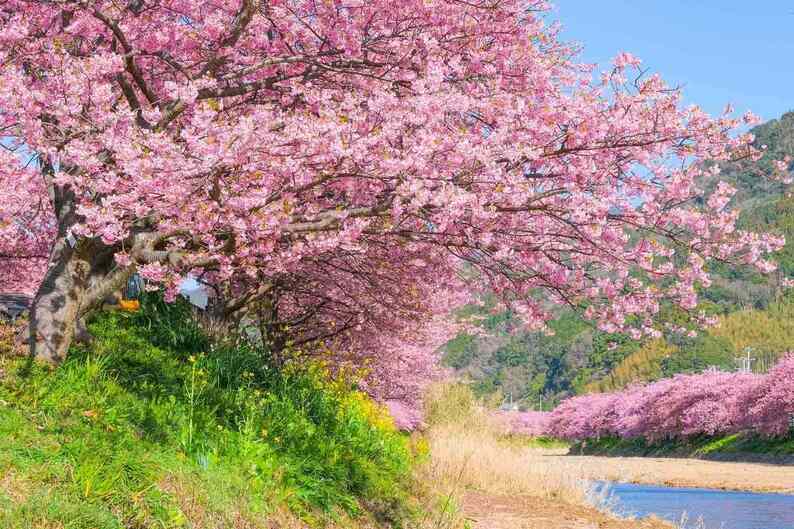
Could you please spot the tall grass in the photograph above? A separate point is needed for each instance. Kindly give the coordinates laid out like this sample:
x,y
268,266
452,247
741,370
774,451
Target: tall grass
x,y
470,450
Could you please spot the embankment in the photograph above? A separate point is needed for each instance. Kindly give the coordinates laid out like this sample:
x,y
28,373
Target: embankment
x,y
734,448
153,426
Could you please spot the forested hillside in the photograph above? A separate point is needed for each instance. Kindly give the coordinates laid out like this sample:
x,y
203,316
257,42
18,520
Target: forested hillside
x,y
533,369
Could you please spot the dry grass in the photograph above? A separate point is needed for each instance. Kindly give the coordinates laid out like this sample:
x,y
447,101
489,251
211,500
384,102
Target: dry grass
x,y
484,480
13,486
487,511
469,450
11,338
472,463
477,458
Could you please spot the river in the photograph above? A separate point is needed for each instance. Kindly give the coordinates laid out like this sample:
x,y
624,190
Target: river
x,y
718,509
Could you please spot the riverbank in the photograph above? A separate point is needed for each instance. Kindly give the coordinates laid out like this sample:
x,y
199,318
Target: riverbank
x,y
485,480
576,508
680,472
488,511
489,482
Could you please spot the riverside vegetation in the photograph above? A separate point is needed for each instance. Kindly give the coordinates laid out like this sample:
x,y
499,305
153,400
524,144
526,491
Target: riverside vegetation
x,y
501,480
155,425
701,414
492,479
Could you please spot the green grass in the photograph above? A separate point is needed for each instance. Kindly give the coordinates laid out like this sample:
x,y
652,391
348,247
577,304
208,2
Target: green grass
x,y
736,446
153,427
545,442
524,441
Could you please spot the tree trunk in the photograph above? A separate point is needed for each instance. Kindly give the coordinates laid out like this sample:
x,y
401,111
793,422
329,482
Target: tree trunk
x,y
80,276
77,281
71,285
56,307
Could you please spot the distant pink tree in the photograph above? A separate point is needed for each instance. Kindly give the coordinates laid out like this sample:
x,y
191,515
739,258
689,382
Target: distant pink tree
x,y
584,417
527,423
770,404
709,403
344,162
704,404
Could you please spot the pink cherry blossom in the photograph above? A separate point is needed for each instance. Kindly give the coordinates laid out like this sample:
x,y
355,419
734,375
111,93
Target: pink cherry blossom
x,y
527,423
709,403
348,177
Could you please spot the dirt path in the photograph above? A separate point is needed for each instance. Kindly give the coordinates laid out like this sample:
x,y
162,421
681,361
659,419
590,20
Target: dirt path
x,y
757,477
486,511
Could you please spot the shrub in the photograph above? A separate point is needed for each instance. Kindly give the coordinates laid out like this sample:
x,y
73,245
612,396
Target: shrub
x,y
450,403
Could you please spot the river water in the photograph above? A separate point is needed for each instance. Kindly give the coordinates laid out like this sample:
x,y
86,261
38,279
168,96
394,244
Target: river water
x,y
704,508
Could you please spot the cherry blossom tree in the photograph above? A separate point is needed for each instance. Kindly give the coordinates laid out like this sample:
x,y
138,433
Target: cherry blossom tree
x,y
708,403
526,423
357,165
27,226
584,417
770,405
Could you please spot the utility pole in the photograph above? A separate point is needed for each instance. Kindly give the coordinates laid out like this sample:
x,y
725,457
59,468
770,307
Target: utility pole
x,y
745,363
507,403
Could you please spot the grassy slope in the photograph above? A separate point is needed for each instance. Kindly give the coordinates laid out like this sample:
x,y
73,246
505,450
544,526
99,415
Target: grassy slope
x,y
153,427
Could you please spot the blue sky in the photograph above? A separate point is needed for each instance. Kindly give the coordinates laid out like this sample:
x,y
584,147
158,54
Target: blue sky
x,y
720,51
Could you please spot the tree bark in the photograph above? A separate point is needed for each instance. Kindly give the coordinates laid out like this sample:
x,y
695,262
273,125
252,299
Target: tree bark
x,y
56,307
77,280
81,274
75,273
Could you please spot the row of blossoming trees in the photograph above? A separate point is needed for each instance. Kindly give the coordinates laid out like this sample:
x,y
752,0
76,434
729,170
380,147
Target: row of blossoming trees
x,y
347,173
709,403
